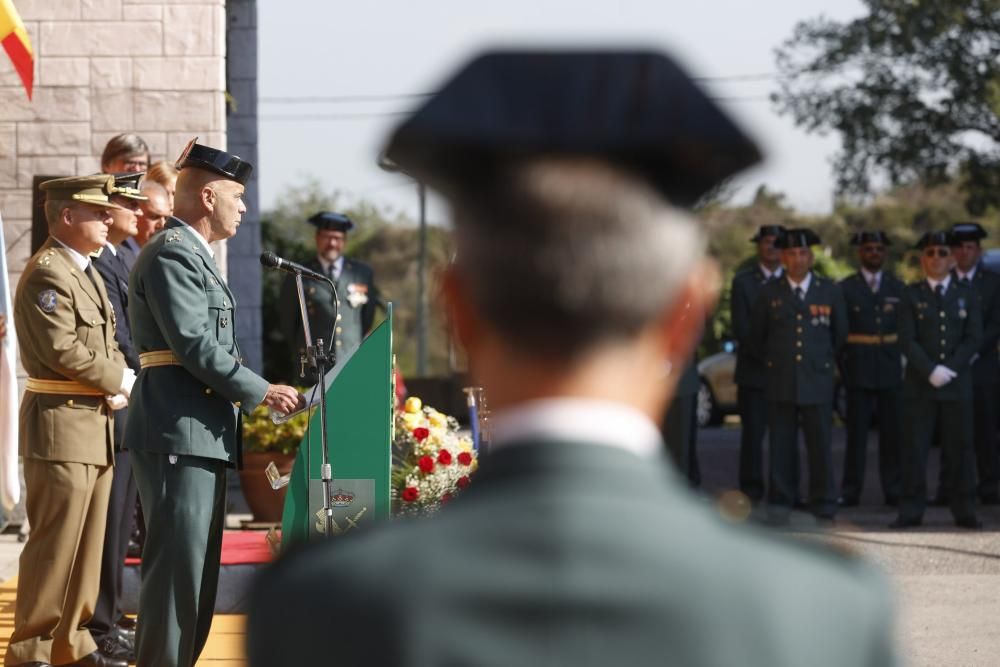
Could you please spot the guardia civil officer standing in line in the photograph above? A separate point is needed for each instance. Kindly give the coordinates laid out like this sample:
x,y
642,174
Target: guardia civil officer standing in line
x,y
596,551
799,321
940,329
183,426
749,363
872,366
966,248
104,626
348,320
65,328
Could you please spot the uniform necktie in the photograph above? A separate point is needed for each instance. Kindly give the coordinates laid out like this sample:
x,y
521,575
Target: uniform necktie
x,y
964,281
799,294
873,283
939,292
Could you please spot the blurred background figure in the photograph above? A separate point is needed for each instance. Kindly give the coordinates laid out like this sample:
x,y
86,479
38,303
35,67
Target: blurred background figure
x,y
125,153
155,210
165,174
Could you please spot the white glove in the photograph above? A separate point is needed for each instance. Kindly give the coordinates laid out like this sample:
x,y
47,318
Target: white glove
x,y
116,402
128,379
941,375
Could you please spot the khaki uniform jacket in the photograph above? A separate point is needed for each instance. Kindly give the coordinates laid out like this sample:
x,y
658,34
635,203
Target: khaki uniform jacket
x,y
179,302
66,328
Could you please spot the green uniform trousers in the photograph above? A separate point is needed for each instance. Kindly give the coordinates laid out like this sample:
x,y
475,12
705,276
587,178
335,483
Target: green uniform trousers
x,y
783,420
955,421
184,505
888,404
60,567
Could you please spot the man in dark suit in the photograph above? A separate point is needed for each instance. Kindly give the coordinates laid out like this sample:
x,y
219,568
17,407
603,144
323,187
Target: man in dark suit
x,y
576,544
965,239
749,376
940,330
347,318
110,637
799,323
872,368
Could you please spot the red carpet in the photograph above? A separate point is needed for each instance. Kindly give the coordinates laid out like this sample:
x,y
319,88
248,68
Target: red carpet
x,y
239,547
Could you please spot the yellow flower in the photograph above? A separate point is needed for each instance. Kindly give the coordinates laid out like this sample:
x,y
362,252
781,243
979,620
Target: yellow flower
x,y
437,419
465,445
412,420
413,405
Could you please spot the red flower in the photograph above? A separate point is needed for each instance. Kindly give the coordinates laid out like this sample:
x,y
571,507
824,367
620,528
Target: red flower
x,y
444,457
465,458
463,481
410,494
420,433
426,464
446,498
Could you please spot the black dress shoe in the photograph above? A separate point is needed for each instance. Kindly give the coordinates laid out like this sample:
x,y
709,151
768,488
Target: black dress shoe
x,y
969,522
845,501
124,636
117,646
98,659
33,664
900,522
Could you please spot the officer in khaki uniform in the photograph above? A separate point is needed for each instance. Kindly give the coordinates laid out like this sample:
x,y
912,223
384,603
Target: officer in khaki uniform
x,y
345,321
940,330
872,365
183,423
76,375
799,322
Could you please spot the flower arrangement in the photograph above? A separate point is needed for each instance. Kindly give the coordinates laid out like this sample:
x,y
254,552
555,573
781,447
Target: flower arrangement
x,y
432,463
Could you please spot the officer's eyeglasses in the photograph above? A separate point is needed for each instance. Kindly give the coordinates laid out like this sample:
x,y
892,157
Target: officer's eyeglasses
x,y
941,252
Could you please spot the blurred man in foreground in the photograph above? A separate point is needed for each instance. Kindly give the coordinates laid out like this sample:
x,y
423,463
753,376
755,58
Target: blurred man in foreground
x,y
577,543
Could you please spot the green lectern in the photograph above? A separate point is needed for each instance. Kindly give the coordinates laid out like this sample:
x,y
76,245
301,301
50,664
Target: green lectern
x,y
359,401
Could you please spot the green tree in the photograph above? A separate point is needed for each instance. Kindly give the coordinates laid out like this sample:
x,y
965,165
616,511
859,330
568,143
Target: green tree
x,y
913,89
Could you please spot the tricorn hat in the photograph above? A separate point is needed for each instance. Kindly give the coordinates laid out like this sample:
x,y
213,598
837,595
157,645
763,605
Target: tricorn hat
x,y
767,230
933,239
95,189
967,231
876,236
212,159
799,237
330,220
635,109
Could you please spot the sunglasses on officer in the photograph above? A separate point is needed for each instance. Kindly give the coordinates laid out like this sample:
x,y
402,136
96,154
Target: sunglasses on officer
x,y
873,248
941,252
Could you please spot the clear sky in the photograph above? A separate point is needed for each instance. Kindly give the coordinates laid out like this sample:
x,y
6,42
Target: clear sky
x,y
394,49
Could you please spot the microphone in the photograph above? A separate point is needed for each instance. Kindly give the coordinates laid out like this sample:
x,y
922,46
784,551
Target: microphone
x,y
272,261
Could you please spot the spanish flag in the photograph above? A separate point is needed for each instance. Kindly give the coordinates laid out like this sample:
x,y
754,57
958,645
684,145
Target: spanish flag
x,y
15,41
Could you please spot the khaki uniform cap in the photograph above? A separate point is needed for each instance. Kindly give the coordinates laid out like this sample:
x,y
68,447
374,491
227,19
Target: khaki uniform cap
x,y
94,189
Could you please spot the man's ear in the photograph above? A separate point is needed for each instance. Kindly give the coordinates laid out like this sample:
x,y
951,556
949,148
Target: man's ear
x,y
682,323
208,196
458,308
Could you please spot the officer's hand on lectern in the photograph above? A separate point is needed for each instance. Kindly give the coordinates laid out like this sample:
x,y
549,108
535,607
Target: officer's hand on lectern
x,y
283,399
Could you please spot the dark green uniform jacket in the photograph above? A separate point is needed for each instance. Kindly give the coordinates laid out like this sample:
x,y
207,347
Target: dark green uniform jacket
x,y
570,554
179,302
358,298
747,285
932,333
799,340
986,284
872,356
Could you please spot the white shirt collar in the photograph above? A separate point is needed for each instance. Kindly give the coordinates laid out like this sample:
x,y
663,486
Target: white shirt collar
x,y
970,275
585,421
81,261
869,275
112,248
338,265
934,283
771,274
201,239
804,284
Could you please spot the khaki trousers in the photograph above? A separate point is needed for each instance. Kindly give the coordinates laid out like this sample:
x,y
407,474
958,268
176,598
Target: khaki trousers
x,y
60,567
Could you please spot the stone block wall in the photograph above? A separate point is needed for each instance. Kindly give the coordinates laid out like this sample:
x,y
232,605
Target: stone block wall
x,y
102,67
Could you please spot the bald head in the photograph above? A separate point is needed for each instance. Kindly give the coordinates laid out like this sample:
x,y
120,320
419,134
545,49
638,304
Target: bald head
x,y
210,203
155,210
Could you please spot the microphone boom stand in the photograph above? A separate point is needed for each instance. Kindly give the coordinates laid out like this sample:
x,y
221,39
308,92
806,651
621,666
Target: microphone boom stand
x,y
317,356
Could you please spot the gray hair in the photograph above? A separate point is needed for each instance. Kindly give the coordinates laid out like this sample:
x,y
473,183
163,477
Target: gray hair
x,y
561,254
123,146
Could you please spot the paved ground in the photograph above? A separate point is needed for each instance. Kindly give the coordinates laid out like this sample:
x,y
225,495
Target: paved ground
x,y
947,580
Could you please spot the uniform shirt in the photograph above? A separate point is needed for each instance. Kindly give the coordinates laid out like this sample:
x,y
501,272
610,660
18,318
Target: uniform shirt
x,y
578,420
806,282
872,277
81,261
934,283
771,274
338,266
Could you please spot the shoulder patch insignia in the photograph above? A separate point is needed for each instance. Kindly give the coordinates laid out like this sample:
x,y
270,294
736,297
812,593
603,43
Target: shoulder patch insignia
x,y
173,236
47,300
